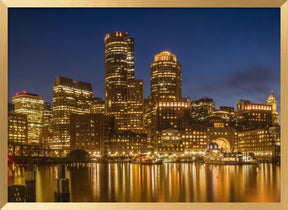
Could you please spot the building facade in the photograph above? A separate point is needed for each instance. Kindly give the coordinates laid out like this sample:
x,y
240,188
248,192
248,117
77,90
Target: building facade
x,y
271,101
97,107
33,106
202,108
91,132
119,68
251,116
166,77
195,140
127,143
135,106
172,115
69,97
47,132
263,142
17,128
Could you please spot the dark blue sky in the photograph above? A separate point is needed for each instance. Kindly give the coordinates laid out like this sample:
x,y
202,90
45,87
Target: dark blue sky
x,y
226,54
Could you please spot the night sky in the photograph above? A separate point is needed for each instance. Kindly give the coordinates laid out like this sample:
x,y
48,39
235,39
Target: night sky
x,y
226,54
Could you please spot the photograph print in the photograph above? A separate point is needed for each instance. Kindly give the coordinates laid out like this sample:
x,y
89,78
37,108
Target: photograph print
x,y
144,105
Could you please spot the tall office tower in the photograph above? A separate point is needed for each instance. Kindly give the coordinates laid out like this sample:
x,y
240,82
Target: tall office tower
x,y
31,105
135,106
149,113
170,118
202,108
47,133
69,97
166,77
273,102
119,68
130,59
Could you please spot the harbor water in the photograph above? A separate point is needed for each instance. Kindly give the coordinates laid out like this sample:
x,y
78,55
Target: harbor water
x,y
168,182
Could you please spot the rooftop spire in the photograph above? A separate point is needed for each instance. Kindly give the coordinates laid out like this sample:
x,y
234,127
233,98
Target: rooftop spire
x,y
271,95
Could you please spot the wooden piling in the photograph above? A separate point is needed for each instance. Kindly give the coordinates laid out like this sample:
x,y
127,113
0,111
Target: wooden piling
x,y
16,193
61,186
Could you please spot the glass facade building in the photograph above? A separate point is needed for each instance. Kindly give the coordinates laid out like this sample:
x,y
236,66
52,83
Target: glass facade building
x,y
166,77
33,106
69,97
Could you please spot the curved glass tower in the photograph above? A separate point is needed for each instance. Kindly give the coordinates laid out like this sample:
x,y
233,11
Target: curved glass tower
x,y
166,77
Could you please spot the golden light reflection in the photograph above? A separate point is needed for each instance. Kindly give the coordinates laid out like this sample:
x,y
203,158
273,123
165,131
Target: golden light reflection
x,y
189,182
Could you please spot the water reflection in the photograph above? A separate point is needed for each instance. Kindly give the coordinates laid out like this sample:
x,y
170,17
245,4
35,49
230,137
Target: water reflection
x,y
186,182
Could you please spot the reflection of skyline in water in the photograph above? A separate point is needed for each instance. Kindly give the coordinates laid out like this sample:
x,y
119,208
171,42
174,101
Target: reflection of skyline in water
x,y
172,182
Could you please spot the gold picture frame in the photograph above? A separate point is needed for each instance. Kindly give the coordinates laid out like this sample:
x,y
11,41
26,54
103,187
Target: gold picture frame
x,y
6,4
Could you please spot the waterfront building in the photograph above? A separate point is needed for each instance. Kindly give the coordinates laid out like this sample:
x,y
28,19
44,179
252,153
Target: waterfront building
x,y
225,137
31,105
17,128
251,115
119,68
171,116
69,97
263,142
166,110
273,103
166,77
169,141
127,143
195,140
91,132
202,108
135,106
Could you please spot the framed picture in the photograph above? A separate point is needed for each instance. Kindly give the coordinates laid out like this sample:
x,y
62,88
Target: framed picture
x,y
120,123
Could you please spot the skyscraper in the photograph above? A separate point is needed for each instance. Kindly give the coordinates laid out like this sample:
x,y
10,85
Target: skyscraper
x,y
135,106
69,97
47,133
130,59
31,105
169,111
119,74
166,77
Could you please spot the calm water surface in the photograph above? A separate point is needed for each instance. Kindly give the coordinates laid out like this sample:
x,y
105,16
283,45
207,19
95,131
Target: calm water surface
x,y
173,182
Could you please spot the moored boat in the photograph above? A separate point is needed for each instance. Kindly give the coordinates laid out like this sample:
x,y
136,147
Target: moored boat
x,y
146,160
214,155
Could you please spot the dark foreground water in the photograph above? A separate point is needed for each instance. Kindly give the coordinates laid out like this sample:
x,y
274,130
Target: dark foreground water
x,y
173,182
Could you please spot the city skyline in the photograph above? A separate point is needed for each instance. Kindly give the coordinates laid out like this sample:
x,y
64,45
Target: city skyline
x,y
256,78
190,109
